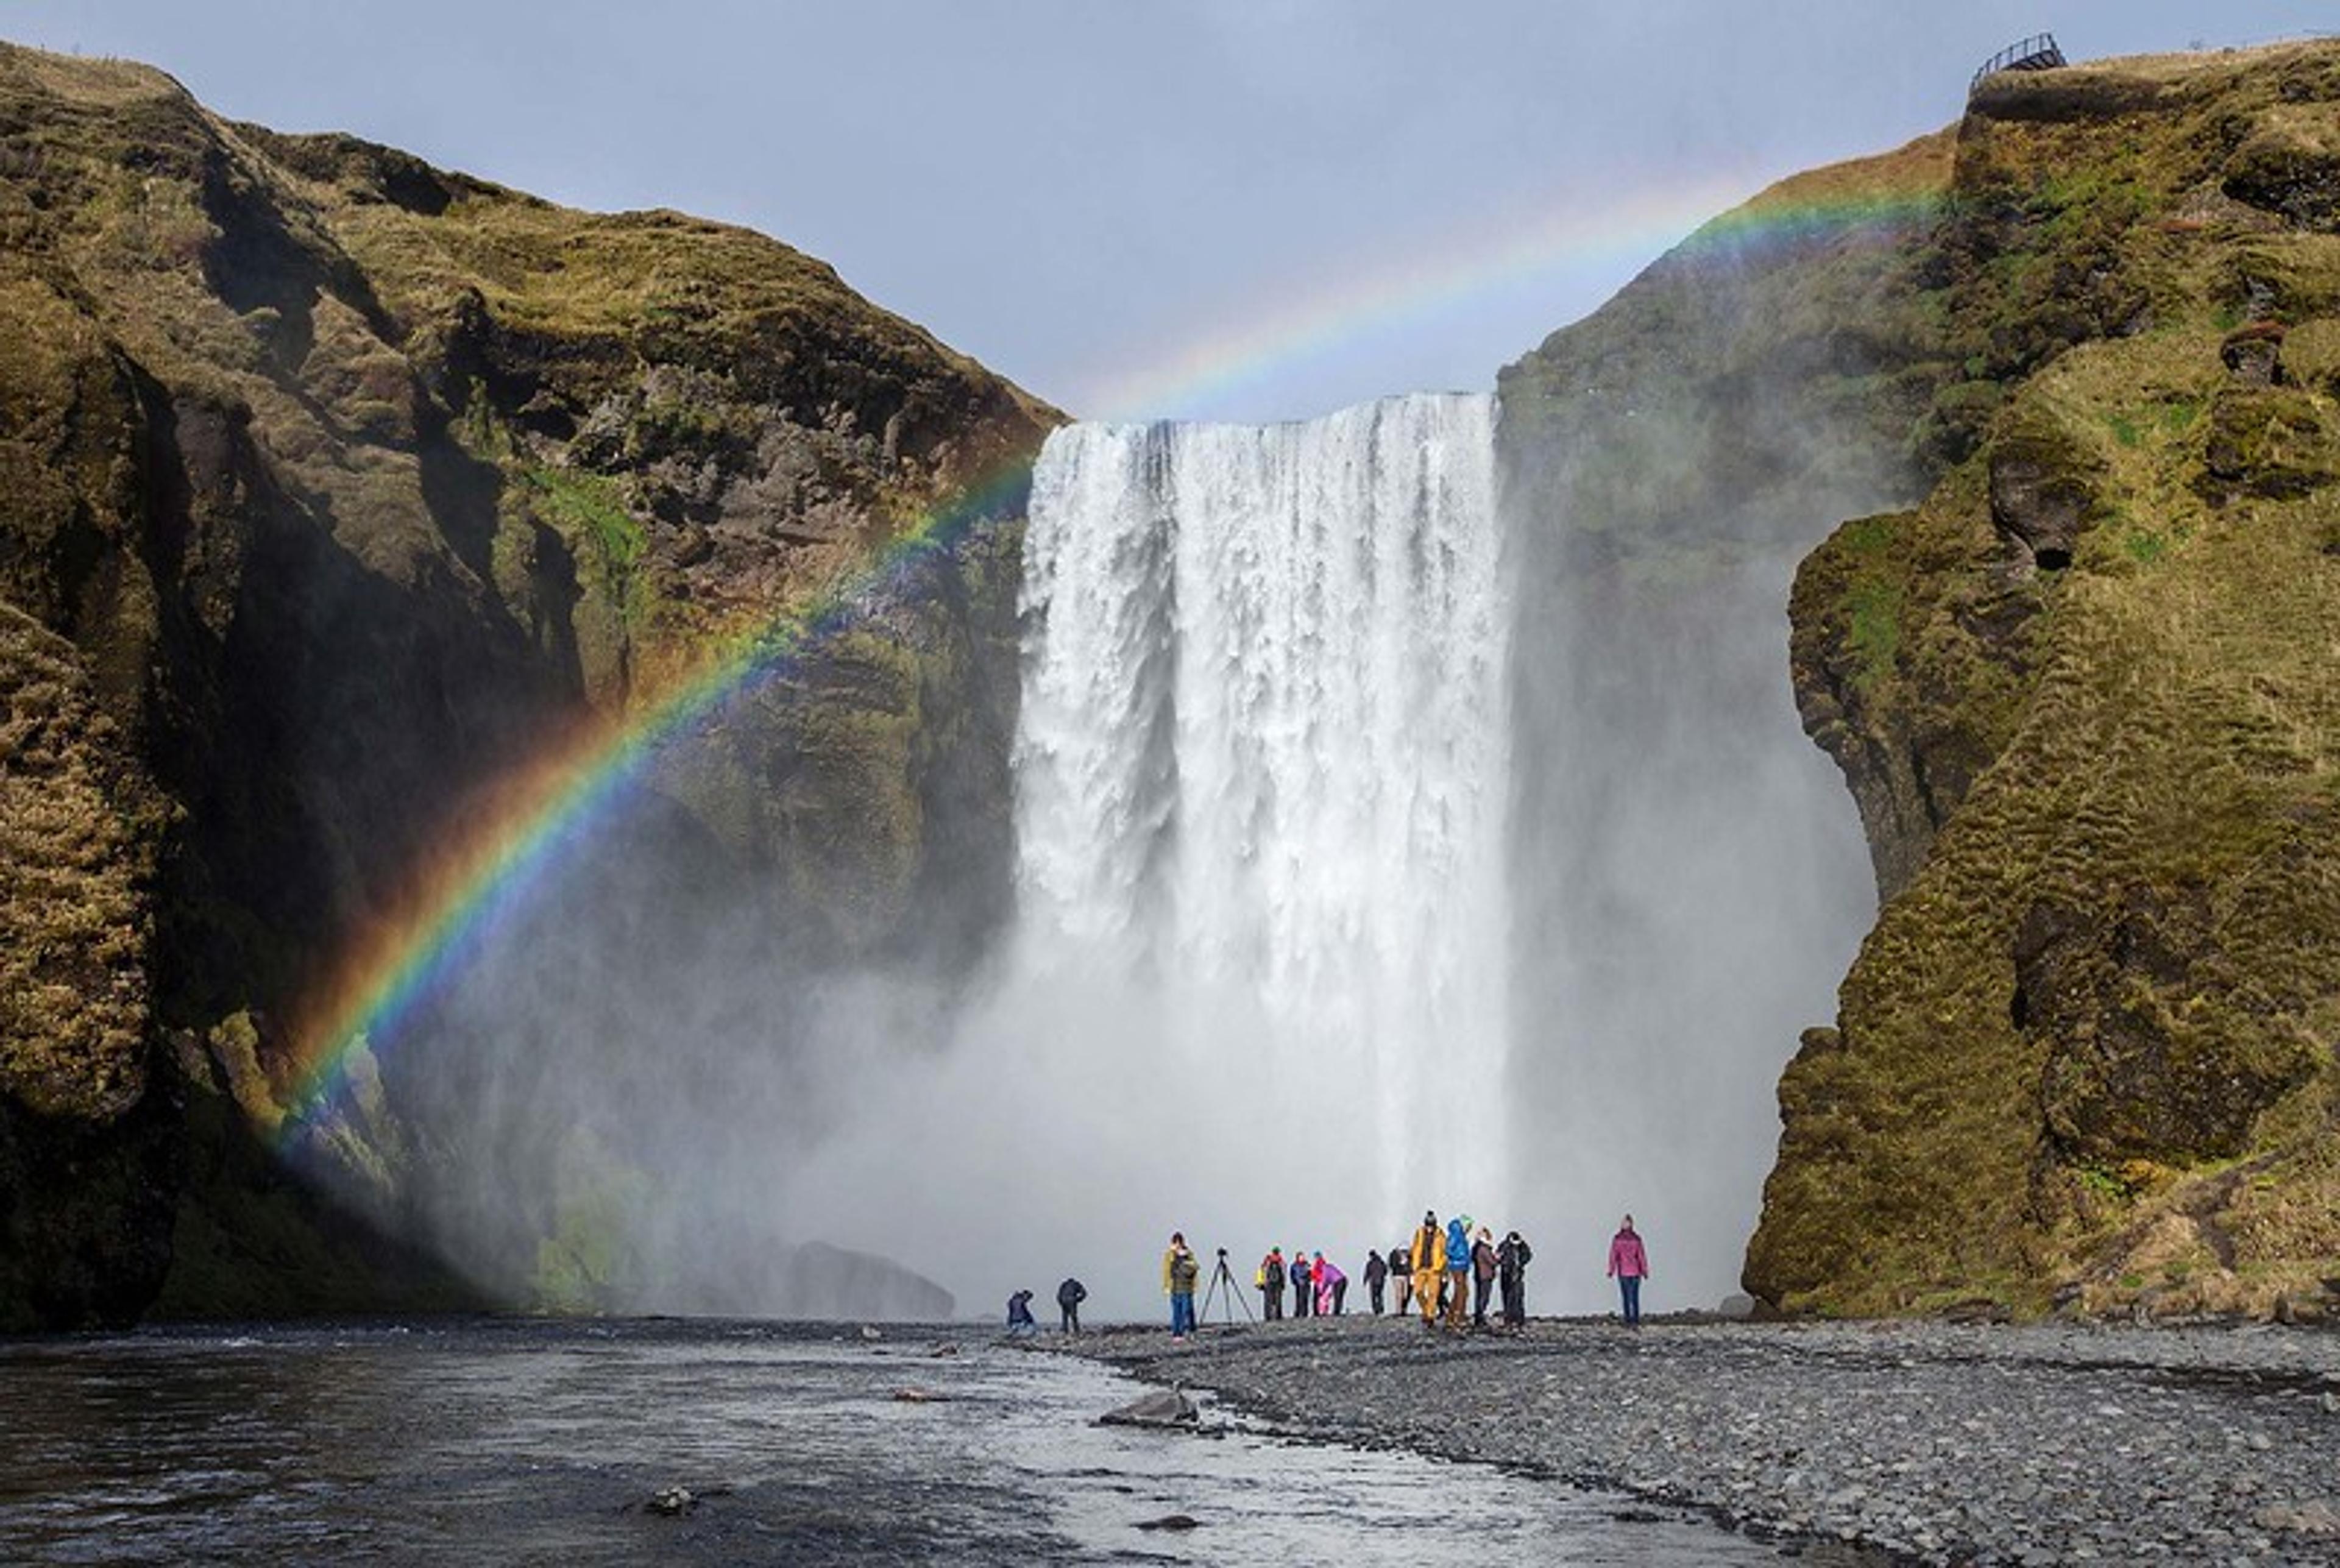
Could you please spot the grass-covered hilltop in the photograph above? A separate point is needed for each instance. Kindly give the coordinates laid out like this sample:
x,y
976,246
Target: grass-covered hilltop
x,y
332,487
2080,359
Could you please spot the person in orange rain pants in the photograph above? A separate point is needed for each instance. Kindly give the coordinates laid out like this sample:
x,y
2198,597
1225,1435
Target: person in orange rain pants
x,y
1428,1266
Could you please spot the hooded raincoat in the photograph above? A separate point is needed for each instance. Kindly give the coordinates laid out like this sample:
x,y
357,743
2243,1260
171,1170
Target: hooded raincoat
x,y
1429,1267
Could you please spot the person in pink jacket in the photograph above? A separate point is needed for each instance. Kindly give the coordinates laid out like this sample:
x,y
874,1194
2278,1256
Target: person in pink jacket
x,y
1332,1285
1629,1265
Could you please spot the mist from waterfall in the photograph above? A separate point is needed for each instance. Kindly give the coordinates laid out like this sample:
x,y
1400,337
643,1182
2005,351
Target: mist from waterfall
x,y
1256,991
1688,884
1377,847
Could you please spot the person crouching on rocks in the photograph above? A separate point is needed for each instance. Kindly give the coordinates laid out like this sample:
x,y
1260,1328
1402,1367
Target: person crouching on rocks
x,y
1332,1285
1458,1270
1302,1297
1512,1267
1271,1284
1629,1265
1376,1275
1427,1264
1069,1296
1019,1317
1179,1272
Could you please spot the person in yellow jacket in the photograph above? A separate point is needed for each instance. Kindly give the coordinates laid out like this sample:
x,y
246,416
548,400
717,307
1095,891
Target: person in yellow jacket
x,y
1428,1266
1179,1272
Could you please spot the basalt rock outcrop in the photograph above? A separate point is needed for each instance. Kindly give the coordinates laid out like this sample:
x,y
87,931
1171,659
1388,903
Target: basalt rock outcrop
x,y
2081,693
333,487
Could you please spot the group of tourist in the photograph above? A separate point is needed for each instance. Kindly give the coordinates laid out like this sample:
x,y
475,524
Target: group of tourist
x,y
1319,1288
1069,1295
1452,1274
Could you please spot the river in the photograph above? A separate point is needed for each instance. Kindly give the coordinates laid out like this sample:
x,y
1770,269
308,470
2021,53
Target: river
x,y
533,1442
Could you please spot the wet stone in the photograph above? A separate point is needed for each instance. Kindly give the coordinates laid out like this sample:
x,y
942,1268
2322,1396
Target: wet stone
x,y
1940,1444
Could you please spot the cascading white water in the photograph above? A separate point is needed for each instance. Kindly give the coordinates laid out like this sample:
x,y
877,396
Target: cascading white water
x,y
1261,771
1257,988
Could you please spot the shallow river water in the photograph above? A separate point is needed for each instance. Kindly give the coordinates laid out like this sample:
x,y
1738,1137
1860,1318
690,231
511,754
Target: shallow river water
x,y
538,1442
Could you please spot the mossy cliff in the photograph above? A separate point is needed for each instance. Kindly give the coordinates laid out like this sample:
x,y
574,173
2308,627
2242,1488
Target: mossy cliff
x,y
332,486
2082,693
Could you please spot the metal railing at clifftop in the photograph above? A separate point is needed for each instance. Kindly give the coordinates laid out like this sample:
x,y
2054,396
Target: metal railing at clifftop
x,y
2037,53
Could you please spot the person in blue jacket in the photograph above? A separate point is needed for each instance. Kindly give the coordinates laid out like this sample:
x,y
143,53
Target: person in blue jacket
x,y
1458,1271
1019,1315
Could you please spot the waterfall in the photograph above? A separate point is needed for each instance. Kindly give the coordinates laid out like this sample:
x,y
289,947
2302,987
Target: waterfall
x,y
1260,779
1257,988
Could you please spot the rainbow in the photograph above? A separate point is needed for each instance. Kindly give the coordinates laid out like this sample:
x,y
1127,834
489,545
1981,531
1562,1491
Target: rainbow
x,y
1314,317
558,801
1536,243
545,810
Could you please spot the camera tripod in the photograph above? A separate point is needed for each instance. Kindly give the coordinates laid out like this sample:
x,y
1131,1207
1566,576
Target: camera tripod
x,y
1221,1276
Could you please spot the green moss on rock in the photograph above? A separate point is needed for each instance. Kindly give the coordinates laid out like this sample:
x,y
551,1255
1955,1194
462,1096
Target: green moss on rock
x,y
78,829
2086,1055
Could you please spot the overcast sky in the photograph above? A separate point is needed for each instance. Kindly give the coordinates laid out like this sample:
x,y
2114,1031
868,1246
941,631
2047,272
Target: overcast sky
x,y
1249,209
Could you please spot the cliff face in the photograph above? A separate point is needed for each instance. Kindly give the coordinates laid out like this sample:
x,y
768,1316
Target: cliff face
x,y
332,486
2081,693
1689,880
2071,368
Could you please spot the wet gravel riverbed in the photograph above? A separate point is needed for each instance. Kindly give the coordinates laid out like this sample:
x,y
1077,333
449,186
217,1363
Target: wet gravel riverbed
x,y
576,1445
1934,1443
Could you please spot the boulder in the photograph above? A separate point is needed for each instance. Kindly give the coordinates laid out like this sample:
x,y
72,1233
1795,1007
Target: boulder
x,y
2254,355
1165,1407
2043,490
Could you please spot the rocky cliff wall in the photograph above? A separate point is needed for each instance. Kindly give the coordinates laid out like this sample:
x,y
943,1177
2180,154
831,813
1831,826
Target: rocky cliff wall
x,y
2081,693
332,487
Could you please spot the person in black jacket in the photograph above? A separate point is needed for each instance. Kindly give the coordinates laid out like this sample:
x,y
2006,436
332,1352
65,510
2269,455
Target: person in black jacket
x,y
1484,1268
1376,1275
1403,1281
1511,1268
1303,1298
1069,1296
1271,1282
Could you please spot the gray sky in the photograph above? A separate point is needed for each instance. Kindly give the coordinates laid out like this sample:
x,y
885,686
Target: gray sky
x,y
1250,209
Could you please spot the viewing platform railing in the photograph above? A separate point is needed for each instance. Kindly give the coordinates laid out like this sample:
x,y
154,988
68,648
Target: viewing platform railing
x,y
2037,53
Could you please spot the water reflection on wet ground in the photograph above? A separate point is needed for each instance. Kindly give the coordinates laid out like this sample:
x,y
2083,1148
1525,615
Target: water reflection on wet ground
x,y
536,1442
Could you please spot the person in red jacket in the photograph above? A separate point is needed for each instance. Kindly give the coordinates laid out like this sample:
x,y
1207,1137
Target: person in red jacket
x,y
1629,1265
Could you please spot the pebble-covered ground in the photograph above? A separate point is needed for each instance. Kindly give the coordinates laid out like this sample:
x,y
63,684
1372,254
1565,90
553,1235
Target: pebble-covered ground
x,y
1930,1442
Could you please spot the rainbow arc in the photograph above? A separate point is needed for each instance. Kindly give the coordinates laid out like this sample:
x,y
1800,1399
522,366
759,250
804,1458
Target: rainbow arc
x,y
547,810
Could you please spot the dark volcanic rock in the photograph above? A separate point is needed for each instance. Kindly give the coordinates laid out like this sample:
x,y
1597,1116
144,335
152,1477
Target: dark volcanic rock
x,y
1166,1408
